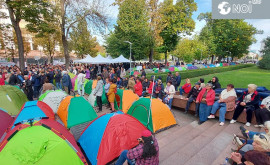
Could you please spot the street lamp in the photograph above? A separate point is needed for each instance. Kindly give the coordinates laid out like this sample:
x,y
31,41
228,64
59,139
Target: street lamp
x,y
130,54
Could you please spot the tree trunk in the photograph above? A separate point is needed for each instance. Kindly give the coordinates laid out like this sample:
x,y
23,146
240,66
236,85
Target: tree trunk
x,y
65,47
166,54
219,59
15,23
151,55
212,59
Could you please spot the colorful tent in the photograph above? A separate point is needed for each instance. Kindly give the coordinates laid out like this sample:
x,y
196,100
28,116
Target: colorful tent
x,y
155,117
42,142
5,121
172,69
75,110
53,98
106,137
11,99
89,86
32,110
124,99
73,81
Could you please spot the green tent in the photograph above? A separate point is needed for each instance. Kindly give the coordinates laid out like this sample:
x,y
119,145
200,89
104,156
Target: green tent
x,y
39,145
76,84
221,64
88,87
183,68
75,111
176,69
11,99
93,101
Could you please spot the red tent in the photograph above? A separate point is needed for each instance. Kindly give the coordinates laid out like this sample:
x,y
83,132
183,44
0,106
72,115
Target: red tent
x,y
5,122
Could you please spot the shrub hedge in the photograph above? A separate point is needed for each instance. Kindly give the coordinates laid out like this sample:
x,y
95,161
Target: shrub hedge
x,y
200,72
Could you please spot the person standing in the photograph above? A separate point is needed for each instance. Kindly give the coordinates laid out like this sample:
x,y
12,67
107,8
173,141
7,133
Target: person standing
x,y
27,88
65,82
178,80
12,79
80,83
98,92
36,82
57,78
106,88
123,73
143,73
249,100
206,98
111,93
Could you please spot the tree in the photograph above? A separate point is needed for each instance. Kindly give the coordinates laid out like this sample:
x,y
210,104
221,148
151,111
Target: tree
x,y
133,26
264,63
34,12
227,37
73,11
176,19
188,50
81,40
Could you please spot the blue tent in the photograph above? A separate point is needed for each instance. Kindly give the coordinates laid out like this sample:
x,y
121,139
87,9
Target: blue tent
x,y
104,138
33,109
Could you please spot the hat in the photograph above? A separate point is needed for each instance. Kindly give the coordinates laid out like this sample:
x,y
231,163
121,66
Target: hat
x,y
197,83
146,133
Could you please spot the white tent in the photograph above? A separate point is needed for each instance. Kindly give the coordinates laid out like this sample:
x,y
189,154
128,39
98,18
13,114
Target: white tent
x,y
120,59
109,57
87,59
100,60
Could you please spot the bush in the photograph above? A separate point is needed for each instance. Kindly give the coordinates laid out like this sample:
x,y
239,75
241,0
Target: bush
x,y
264,63
201,72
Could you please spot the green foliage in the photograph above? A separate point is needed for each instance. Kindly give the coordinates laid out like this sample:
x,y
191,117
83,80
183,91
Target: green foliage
x,y
188,50
81,40
226,37
132,25
265,62
201,72
176,19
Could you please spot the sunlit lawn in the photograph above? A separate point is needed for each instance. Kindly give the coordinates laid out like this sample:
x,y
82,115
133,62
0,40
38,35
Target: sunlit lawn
x,y
240,78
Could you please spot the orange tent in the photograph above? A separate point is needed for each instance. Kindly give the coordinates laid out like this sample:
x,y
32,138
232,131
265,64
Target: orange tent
x,y
124,99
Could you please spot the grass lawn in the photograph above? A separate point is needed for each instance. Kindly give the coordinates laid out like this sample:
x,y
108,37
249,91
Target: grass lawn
x,y
240,78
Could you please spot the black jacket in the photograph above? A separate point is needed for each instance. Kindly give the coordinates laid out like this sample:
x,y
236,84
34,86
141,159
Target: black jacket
x,y
145,85
124,83
144,73
12,80
255,99
194,92
58,77
216,84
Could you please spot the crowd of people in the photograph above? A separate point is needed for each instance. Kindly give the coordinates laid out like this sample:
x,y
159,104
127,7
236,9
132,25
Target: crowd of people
x,y
36,79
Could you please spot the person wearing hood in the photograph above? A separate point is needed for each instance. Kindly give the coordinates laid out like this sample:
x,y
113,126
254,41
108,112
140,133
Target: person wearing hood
x,y
81,79
98,92
225,103
215,83
249,101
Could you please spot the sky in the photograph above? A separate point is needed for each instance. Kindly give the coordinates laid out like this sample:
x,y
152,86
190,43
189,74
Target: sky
x,y
203,6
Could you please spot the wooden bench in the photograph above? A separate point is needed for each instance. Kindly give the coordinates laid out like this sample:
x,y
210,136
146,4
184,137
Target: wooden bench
x,y
180,102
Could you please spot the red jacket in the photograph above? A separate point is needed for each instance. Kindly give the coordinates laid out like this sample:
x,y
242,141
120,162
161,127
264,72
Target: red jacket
x,y
138,89
2,81
187,87
150,88
210,97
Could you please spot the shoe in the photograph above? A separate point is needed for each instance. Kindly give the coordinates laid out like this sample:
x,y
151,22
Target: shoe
x,y
262,126
99,111
185,112
238,141
232,121
200,122
211,117
221,123
244,131
256,126
196,115
248,124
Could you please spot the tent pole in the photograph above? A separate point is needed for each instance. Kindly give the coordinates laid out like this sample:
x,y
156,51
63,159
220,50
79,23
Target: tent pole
x,y
151,98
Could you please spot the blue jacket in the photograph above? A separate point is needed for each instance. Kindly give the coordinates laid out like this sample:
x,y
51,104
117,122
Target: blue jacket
x,y
178,80
36,80
65,80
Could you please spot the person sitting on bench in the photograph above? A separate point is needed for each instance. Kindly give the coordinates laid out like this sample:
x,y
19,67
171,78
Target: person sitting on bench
x,y
192,96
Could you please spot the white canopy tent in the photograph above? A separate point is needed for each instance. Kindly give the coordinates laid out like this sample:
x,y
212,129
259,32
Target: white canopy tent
x,y
109,57
120,59
87,59
100,60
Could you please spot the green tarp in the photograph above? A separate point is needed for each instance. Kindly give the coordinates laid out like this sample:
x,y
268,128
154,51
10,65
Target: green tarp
x,y
88,87
38,145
